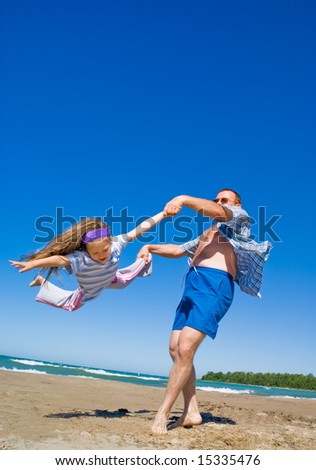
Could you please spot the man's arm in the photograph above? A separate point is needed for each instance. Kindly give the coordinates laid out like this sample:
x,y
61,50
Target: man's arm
x,y
144,226
165,250
203,206
55,261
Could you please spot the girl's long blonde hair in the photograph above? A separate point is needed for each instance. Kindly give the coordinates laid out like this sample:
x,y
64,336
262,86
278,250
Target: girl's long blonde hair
x,y
67,242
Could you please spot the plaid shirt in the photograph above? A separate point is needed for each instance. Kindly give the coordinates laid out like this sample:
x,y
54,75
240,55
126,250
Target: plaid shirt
x,y
251,255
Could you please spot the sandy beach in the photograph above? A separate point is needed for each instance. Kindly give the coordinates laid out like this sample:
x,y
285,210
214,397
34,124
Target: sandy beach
x,y
54,412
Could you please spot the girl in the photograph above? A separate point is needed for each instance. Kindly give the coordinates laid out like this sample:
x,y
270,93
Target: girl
x,y
87,250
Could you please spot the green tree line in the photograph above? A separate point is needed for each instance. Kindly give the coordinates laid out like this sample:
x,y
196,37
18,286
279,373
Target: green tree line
x,y
268,379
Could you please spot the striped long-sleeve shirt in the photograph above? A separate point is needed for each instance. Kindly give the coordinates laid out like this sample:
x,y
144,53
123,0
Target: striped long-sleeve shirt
x,y
94,277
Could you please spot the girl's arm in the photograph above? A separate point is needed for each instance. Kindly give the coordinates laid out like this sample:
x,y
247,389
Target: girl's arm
x,y
166,250
55,261
144,226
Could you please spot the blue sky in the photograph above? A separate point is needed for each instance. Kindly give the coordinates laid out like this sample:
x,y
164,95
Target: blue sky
x,y
119,104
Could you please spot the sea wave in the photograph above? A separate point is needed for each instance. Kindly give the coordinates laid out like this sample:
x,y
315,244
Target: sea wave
x,y
289,396
30,371
116,374
225,390
33,363
90,371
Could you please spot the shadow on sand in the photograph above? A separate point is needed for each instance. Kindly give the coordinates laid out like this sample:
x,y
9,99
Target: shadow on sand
x,y
120,413
207,418
123,412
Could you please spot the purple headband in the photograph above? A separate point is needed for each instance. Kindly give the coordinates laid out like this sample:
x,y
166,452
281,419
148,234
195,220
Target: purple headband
x,y
95,235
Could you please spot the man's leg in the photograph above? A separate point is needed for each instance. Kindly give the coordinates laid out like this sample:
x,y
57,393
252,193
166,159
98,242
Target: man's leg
x,y
191,415
181,372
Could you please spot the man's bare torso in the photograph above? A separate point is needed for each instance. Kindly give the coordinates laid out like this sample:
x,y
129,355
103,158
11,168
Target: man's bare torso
x,y
214,251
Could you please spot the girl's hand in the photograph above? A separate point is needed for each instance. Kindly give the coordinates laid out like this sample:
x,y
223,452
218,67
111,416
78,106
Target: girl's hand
x,y
144,253
26,266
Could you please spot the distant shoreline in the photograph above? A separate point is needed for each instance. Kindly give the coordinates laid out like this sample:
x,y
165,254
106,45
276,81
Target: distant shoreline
x,y
265,378
258,385
37,366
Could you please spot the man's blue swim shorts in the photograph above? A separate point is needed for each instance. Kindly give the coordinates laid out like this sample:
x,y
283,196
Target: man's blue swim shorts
x,y
207,296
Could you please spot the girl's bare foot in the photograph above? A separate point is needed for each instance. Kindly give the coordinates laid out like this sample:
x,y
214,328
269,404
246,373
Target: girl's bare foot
x,y
38,281
192,419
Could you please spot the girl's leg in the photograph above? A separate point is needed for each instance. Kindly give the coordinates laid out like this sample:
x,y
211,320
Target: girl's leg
x,y
57,297
38,281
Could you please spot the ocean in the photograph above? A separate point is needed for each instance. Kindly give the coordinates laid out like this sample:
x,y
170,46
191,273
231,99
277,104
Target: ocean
x,y
32,366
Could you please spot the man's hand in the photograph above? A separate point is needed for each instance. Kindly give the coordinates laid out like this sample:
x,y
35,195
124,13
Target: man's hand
x,y
174,206
144,253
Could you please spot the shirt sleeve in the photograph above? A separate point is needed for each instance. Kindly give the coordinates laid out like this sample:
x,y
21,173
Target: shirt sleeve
x,y
76,262
119,243
239,224
189,247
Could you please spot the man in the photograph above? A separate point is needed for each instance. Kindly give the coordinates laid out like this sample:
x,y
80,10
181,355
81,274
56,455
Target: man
x,y
216,262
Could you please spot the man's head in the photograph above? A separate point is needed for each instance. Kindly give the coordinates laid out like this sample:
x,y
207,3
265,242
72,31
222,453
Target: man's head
x,y
228,196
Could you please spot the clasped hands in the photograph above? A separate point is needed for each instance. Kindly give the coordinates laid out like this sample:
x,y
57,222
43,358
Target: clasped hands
x,y
174,206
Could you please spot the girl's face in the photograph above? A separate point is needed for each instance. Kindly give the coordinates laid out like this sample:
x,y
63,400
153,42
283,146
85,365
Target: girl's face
x,y
100,250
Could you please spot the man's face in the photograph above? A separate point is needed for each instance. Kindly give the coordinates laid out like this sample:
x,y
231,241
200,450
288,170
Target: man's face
x,y
226,197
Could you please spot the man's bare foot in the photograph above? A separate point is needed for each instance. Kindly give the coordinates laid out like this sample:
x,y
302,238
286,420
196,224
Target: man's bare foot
x,y
193,419
160,424
38,281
